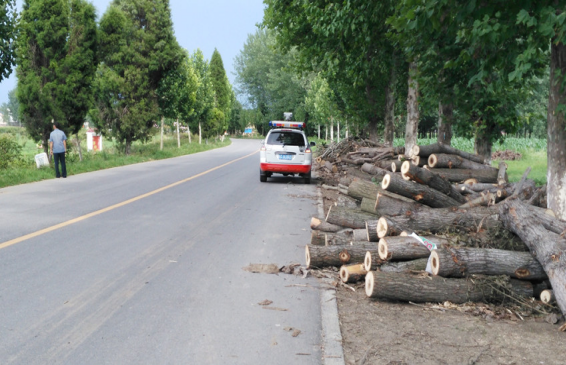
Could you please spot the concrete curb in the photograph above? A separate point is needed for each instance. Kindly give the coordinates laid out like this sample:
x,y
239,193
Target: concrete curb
x,y
332,352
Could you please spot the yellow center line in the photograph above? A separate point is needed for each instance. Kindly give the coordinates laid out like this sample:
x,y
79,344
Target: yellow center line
x,y
112,207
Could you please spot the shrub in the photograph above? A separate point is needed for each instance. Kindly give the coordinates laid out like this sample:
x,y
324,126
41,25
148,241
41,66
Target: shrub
x,y
10,152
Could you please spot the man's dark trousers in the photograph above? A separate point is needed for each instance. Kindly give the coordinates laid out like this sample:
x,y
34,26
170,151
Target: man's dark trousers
x,y
60,157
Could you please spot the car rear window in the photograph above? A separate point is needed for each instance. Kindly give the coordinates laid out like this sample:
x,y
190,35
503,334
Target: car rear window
x,y
286,138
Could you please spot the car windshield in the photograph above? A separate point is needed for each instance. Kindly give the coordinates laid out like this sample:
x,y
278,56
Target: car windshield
x,y
286,138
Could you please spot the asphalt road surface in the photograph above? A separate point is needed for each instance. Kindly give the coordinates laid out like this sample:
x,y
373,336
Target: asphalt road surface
x,y
104,268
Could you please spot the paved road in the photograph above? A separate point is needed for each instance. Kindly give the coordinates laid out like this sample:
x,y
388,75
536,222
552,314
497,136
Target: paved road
x,y
158,280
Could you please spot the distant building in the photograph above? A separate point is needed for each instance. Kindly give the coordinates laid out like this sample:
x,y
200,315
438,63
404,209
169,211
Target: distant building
x,y
2,122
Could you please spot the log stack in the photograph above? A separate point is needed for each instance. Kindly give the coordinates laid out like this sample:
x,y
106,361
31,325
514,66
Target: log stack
x,y
474,224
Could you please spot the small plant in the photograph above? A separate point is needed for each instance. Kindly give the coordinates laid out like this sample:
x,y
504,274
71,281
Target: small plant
x,y
10,152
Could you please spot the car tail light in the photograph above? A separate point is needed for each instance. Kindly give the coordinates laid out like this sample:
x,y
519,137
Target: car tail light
x,y
262,148
308,150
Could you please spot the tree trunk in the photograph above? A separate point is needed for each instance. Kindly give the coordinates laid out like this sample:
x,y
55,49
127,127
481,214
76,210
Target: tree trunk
x,y
388,205
79,147
323,256
377,172
318,130
338,131
178,135
348,217
161,144
482,146
548,247
399,248
442,160
199,134
502,173
360,188
389,131
426,177
318,224
556,174
352,273
461,262
421,193
331,129
451,219
422,289
459,175
411,130
445,117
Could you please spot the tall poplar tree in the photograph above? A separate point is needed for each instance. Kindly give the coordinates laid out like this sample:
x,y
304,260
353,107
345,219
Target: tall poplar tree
x,y
139,48
222,89
204,103
8,19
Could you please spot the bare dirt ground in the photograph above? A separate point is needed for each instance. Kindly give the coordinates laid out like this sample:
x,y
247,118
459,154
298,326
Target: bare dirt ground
x,y
380,332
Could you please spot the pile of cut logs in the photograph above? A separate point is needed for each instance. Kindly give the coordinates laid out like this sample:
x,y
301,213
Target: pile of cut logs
x,y
440,226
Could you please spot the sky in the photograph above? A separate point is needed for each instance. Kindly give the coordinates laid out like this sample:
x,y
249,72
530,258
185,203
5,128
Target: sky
x,y
204,24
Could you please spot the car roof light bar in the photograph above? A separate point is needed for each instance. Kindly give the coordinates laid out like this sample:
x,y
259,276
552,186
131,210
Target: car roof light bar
x,y
286,124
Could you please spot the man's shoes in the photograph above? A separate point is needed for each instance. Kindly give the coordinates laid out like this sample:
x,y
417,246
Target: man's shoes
x,y
64,177
57,177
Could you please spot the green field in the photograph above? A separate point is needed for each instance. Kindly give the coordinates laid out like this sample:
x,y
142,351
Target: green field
x,y
92,161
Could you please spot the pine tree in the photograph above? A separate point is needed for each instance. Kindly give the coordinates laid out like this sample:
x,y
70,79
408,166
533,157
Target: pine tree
x,y
139,49
41,52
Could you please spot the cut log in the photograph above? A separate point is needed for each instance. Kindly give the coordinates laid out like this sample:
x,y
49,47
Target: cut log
x,y
323,256
442,220
547,296
386,227
352,273
459,175
461,262
330,167
387,205
368,205
406,248
360,234
317,238
346,217
372,261
427,177
317,224
332,239
371,231
548,247
442,160
502,173
425,151
421,193
396,165
419,162
487,199
363,189
404,266
377,172
421,289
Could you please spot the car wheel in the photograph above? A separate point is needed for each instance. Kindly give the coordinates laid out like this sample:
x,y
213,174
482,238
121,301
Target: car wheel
x,y
307,178
262,177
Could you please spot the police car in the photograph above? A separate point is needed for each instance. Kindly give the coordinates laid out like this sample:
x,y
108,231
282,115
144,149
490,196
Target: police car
x,y
286,151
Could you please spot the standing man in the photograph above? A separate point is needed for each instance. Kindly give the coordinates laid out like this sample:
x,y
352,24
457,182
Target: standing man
x,y
58,146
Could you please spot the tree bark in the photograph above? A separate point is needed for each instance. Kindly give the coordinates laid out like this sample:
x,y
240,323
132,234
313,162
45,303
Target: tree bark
x,y
404,266
360,189
372,261
406,248
451,219
442,160
189,132
417,192
502,173
178,135
323,256
377,172
199,134
421,289
79,147
482,146
548,247
445,117
348,217
461,262
556,142
426,177
318,224
389,131
371,231
460,175
352,273
411,130
387,205
161,144
318,238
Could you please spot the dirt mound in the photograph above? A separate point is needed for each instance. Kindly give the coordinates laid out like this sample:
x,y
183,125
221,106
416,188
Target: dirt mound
x,y
506,155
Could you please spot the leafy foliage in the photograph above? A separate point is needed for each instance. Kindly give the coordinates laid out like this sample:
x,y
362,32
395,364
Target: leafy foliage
x,y
8,20
10,151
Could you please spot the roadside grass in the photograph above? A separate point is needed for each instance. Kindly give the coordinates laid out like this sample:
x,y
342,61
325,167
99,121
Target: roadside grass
x,y
107,158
